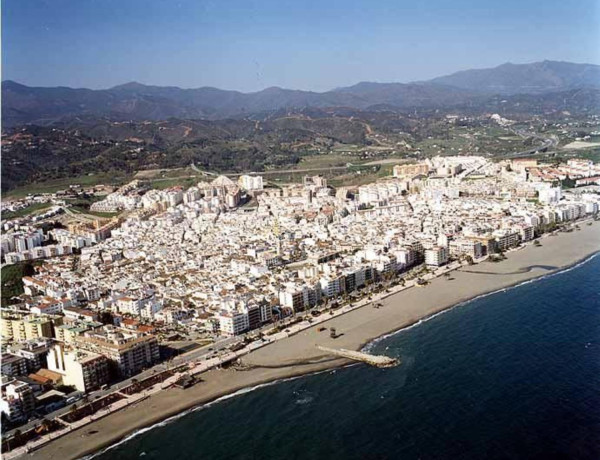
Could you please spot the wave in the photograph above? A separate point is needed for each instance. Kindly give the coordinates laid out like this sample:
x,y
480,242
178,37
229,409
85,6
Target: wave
x,y
369,346
203,406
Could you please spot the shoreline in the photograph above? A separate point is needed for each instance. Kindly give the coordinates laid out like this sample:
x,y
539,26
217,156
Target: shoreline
x,y
291,358
564,269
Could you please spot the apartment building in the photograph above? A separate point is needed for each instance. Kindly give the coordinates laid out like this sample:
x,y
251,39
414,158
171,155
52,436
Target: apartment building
x,y
84,370
38,253
130,353
333,285
526,232
145,307
17,328
465,247
299,297
250,183
13,365
436,256
411,170
234,322
33,351
507,239
67,333
18,400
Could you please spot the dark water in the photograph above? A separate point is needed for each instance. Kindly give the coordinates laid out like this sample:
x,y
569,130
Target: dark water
x,y
515,375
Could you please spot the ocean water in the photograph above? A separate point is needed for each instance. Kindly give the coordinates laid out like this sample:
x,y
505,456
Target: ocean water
x,y
513,375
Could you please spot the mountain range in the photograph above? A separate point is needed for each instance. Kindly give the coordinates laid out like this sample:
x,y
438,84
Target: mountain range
x,y
134,101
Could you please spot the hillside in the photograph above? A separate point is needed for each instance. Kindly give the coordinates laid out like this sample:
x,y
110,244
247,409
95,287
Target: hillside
x,y
134,101
538,77
82,146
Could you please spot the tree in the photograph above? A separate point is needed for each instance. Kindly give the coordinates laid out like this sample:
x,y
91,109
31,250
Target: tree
x,y
106,317
46,425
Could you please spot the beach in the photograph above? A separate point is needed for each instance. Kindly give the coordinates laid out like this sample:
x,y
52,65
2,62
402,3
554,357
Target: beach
x,y
298,355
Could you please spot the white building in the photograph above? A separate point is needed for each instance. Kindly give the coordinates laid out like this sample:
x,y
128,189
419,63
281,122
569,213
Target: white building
x,y
18,401
250,182
436,256
467,247
84,370
233,323
549,195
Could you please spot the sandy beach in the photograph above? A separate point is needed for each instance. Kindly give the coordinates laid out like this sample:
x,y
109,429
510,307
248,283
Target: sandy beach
x,y
298,355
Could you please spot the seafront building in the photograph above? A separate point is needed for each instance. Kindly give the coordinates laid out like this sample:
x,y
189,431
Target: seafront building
x,y
436,256
129,352
223,258
301,245
86,371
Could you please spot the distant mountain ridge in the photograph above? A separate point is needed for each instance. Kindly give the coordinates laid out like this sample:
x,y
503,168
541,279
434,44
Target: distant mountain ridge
x,y
537,77
134,101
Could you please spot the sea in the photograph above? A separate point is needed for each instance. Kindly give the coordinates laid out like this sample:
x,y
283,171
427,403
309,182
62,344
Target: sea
x,y
510,375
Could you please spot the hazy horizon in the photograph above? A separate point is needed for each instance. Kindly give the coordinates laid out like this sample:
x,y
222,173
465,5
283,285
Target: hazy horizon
x,y
280,87
250,46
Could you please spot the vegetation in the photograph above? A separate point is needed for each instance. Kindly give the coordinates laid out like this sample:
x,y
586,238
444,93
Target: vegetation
x,y
66,389
12,284
39,182
350,146
26,211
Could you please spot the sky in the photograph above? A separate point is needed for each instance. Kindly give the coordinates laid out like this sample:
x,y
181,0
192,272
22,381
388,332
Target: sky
x,y
249,45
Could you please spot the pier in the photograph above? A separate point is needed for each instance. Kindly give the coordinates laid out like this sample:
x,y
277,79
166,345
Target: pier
x,y
372,360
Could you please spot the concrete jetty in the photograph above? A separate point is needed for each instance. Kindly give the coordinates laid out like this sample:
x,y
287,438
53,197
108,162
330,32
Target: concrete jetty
x,y
372,360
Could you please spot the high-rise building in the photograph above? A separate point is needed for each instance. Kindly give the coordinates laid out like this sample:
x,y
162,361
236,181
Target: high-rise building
x,y
234,323
33,351
84,370
436,256
130,353
13,365
18,328
18,400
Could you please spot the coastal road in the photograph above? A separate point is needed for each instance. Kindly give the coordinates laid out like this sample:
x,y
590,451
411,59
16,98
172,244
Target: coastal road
x,y
212,350
194,355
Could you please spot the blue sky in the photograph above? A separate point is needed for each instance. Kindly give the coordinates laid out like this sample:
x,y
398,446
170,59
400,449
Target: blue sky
x,y
312,45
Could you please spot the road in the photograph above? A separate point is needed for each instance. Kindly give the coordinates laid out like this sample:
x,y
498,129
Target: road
x,y
203,352
548,142
190,356
369,295
266,173
78,216
199,171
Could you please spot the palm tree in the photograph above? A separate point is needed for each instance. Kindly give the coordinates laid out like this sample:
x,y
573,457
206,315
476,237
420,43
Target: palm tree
x,y
46,425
